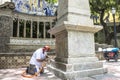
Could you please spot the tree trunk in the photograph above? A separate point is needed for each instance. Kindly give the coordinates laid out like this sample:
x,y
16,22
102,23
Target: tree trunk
x,y
105,28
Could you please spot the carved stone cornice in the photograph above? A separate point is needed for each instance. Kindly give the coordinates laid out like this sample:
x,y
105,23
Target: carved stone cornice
x,y
8,5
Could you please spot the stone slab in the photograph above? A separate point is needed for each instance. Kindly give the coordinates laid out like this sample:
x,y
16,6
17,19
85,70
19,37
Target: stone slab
x,y
76,66
77,74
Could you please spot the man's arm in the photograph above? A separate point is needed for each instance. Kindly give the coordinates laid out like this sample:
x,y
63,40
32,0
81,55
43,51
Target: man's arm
x,y
40,60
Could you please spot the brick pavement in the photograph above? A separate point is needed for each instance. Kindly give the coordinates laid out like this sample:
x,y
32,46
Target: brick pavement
x,y
15,74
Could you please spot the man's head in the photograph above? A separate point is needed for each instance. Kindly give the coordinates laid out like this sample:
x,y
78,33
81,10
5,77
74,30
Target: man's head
x,y
46,48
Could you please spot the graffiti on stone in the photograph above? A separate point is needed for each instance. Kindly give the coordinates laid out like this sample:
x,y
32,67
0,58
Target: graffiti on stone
x,y
1,25
5,26
4,22
4,19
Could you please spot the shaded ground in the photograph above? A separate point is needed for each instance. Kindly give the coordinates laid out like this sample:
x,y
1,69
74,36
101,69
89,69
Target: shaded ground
x,y
15,74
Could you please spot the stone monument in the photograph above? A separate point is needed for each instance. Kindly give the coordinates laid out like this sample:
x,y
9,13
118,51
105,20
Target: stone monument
x,y
75,48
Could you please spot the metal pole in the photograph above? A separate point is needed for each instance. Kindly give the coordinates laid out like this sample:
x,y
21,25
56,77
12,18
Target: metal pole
x,y
115,37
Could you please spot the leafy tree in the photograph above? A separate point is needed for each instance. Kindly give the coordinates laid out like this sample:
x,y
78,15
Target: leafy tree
x,y
100,7
52,1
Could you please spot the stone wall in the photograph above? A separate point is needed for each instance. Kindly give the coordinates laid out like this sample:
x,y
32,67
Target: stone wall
x,y
16,60
28,44
5,32
97,45
7,16
12,60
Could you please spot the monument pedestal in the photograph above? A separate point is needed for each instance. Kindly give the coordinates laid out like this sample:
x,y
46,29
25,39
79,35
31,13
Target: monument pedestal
x,y
75,54
75,47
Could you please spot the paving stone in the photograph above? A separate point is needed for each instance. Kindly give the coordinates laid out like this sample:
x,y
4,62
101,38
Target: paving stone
x,y
15,74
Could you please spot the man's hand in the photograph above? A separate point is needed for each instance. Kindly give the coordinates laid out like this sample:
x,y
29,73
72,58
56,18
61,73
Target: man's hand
x,y
47,56
41,60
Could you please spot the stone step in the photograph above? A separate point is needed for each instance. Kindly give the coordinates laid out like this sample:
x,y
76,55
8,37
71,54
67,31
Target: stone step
x,y
74,75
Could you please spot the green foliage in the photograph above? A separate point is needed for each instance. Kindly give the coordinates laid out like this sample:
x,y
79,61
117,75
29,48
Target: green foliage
x,y
98,5
52,1
99,8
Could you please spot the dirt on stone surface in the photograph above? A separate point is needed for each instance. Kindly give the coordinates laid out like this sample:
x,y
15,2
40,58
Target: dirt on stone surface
x,y
15,74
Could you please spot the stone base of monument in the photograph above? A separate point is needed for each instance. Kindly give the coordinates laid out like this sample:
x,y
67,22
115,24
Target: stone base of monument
x,y
75,55
85,67
74,44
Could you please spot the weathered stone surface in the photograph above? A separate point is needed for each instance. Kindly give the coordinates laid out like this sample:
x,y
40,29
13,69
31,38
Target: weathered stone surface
x,y
16,60
9,40
28,44
76,66
75,75
5,32
76,60
75,48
